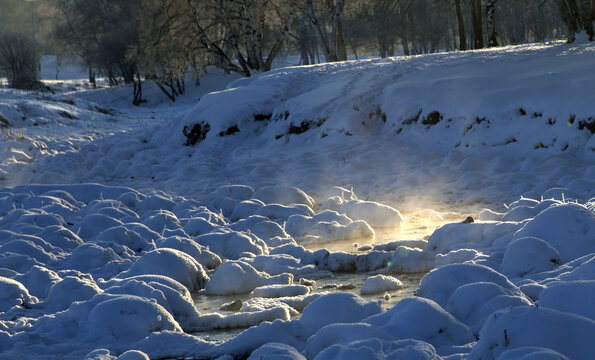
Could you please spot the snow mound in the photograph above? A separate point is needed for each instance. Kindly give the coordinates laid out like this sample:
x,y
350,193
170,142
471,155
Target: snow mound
x,y
375,214
522,327
128,319
238,277
171,263
439,284
529,255
276,351
422,319
570,297
569,228
338,308
380,283
13,293
284,195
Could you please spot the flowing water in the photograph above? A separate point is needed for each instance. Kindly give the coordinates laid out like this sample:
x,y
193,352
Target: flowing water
x,y
415,227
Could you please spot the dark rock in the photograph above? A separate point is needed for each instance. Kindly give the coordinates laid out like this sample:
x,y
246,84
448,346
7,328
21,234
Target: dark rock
x,y
196,133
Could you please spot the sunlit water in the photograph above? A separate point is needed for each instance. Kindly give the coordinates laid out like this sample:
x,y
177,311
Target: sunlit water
x,y
415,228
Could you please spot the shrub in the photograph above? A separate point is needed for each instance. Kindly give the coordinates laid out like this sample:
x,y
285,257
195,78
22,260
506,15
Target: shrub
x,y
18,61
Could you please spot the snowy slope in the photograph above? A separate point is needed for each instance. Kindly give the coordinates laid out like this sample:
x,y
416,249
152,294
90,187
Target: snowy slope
x,y
296,162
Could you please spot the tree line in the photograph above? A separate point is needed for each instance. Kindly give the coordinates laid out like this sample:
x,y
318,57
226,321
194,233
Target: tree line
x,y
162,40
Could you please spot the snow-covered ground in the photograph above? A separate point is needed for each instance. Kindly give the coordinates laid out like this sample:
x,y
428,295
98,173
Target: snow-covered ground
x,y
133,232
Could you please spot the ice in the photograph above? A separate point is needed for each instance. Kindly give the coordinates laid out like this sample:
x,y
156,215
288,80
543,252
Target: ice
x,y
273,291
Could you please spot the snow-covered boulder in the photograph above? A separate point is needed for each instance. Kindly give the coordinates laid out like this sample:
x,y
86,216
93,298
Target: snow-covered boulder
x,y
232,244
171,263
68,290
531,353
380,283
342,334
280,213
569,228
325,228
571,297
276,351
13,293
126,319
529,255
523,326
238,277
199,253
338,308
375,214
473,303
439,284
285,195
422,319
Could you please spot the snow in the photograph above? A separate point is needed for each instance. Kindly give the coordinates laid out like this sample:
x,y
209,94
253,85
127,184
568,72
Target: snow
x,y
380,283
473,171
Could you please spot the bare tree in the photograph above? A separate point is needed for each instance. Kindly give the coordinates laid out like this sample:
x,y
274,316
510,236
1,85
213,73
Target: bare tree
x,y
18,61
461,22
491,23
332,42
578,16
477,23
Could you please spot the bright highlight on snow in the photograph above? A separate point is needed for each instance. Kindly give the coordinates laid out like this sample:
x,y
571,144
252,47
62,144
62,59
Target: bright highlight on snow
x,y
299,223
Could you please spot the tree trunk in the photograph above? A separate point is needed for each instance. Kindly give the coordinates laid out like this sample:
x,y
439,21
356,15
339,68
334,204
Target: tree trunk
x,y
477,23
461,21
276,48
491,24
138,91
328,51
340,43
587,9
570,15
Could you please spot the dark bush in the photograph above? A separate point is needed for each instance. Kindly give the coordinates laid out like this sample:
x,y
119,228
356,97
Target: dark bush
x,y
18,61
196,133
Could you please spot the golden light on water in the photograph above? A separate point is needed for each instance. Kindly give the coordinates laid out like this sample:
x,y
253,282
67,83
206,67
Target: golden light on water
x,y
418,225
